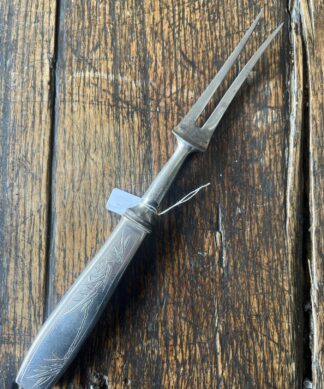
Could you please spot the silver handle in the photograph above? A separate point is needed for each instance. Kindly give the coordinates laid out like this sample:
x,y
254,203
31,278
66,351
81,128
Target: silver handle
x,y
71,321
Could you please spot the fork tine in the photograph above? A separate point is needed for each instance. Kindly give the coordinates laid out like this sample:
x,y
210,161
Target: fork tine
x,y
219,111
203,100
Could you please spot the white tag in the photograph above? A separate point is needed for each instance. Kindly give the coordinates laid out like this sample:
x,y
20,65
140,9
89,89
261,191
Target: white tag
x,y
119,201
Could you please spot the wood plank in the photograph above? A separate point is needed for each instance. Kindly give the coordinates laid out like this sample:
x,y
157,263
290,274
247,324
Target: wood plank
x,y
213,298
312,16
27,41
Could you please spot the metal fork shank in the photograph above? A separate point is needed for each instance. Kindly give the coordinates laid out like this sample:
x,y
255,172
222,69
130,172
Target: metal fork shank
x,y
160,185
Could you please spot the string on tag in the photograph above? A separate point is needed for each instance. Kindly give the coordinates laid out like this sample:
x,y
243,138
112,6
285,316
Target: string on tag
x,y
184,199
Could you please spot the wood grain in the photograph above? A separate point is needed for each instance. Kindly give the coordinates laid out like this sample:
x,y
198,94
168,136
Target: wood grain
x,y
214,299
218,296
27,46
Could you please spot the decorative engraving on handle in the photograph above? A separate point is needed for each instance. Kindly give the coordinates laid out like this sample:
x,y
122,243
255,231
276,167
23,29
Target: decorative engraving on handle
x,y
76,314
45,373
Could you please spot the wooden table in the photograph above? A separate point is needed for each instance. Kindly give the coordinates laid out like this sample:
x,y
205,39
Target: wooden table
x,y
228,290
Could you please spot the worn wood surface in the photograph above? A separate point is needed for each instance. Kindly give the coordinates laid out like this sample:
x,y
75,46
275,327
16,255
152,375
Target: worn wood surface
x,y
216,295
27,46
210,302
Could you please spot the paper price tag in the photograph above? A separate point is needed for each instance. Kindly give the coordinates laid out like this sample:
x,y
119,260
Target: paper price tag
x,y
119,201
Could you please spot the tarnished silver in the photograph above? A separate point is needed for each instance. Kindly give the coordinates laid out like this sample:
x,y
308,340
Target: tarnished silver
x,y
65,330
70,323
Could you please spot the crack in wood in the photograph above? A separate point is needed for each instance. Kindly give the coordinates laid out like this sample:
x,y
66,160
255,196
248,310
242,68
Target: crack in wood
x,y
53,82
306,51
298,171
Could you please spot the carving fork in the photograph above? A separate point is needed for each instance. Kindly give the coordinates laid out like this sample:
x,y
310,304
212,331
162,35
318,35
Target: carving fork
x,y
67,327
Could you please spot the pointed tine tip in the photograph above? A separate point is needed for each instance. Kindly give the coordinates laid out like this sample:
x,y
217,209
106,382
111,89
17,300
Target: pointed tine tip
x,y
253,25
261,13
280,26
273,34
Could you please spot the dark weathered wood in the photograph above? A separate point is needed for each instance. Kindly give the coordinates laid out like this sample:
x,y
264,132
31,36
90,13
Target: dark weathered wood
x,y
312,17
27,45
213,299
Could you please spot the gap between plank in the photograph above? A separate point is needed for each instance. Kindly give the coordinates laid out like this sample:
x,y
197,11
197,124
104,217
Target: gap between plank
x,y
51,163
299,133
306,238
